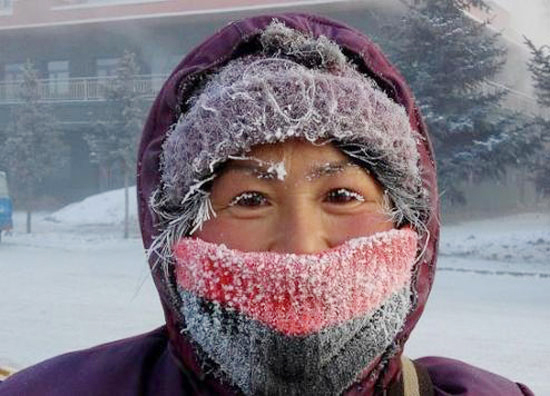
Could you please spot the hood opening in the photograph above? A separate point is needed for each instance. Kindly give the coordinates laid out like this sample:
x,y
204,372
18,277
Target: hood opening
x,y
241,39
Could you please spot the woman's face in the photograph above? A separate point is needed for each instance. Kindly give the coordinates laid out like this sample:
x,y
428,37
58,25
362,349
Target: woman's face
x,y
294,197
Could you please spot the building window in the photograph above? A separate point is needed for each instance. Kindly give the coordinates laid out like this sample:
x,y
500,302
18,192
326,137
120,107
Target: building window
x,y
13,72
58,78
106,67
6,7
13,75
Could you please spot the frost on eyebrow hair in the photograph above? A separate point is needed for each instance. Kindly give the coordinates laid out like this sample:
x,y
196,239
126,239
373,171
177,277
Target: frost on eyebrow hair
x,y
330,168
273,169
278,169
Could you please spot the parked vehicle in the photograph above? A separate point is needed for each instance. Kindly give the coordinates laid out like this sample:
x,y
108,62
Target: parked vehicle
x,y
6,209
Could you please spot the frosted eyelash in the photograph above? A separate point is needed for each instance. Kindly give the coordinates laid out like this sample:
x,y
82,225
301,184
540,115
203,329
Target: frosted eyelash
x,y
242,196
351,194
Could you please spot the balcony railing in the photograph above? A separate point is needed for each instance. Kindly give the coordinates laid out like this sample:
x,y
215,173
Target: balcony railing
x,y
80,89
86,89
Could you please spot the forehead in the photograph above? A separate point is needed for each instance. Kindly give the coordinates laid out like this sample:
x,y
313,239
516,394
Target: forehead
x,y
293,158
297,149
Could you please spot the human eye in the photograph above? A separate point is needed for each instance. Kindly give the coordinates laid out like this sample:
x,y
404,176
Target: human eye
x,y
343,196
250,199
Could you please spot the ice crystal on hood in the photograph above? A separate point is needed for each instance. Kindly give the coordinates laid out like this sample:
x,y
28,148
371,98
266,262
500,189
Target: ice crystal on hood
x,y
259,100
311,51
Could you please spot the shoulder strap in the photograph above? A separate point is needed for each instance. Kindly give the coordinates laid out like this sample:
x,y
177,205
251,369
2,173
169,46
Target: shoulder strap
x,y
416,380
410,379
5,372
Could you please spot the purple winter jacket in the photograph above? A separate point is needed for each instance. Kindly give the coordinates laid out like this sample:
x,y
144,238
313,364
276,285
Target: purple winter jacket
x,y
163,362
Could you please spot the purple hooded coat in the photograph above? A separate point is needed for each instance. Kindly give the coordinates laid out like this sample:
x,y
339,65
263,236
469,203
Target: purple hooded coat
x,y
163,362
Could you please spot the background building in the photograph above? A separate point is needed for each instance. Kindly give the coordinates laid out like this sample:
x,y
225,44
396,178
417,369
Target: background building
x,y
76,44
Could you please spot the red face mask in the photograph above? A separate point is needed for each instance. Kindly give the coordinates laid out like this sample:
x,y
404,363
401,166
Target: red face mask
x,y
308,307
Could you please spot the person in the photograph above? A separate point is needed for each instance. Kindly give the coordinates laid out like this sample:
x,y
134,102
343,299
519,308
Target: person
x,y
288,202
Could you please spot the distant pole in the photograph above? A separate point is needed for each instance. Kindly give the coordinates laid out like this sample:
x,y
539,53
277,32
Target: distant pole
x,y
29,207
126,203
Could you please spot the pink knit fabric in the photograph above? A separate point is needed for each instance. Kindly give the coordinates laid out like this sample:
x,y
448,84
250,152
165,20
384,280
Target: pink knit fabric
x,y
300,294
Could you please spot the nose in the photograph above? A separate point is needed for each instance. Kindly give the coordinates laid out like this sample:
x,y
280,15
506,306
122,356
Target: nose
x,y
300,230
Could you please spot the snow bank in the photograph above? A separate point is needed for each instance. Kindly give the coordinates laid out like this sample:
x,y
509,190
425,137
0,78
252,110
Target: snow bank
x,y
522,238
102,209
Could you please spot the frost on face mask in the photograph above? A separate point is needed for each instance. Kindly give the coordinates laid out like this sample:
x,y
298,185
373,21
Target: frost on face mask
x,y
285,323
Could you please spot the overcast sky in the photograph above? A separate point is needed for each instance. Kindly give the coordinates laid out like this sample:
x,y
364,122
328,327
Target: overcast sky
x,y
530,17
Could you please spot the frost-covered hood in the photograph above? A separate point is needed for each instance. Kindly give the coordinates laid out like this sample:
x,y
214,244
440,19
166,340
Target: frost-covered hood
x,y
237,39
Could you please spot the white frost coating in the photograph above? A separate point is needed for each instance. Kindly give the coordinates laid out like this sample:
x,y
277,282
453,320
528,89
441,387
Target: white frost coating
x,y
284,96
274,170
296,324
259,360
271,96
279,170
296,86
351,194
312,290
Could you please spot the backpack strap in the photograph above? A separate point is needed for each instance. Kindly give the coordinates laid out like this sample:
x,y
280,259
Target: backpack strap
x,y
414,381
5,372
411,386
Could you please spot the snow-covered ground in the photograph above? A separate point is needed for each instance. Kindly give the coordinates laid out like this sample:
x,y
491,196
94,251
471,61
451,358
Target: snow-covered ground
x,y
75,283
522,238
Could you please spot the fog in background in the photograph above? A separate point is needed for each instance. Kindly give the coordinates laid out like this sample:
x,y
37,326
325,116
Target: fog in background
x,y
530,17
75,282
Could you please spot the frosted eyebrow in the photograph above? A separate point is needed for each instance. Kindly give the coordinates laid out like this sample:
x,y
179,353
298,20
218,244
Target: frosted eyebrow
x,y
258,170
329,169
263,171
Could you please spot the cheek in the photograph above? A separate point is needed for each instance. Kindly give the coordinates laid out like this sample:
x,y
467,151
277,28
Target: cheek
x,y
344,228
235,233
259,234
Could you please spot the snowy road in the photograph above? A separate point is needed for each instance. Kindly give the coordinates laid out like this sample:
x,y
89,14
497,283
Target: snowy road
x,y
65,291
497,322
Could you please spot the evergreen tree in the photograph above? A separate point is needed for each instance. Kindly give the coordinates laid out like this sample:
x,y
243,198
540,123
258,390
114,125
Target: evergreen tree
x,y
539,65
33,147
448,59
115,139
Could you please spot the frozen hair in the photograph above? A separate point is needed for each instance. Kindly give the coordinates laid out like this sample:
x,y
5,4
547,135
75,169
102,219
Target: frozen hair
x,y
296,86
